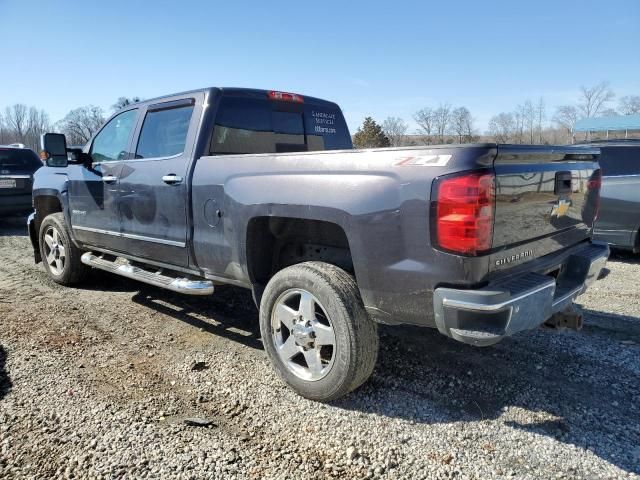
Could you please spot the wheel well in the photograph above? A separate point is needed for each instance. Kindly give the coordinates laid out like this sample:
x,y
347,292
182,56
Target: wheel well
x,y
274,243
45,205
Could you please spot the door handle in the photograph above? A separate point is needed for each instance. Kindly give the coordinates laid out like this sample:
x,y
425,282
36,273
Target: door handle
x,y
172,179
109,178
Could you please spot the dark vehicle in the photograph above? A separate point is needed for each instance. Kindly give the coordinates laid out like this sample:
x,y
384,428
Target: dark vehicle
x,y
263,190
618,222
17,166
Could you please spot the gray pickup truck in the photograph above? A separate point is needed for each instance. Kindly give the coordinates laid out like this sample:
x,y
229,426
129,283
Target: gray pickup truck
x,y
618,222
262,189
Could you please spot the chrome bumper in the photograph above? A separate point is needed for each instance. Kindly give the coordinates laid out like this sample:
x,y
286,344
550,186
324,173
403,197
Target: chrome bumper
x,y
485,316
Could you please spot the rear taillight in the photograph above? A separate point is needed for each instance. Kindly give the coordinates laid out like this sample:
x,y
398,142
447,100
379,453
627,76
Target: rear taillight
x,y
464,210
285,97
593,186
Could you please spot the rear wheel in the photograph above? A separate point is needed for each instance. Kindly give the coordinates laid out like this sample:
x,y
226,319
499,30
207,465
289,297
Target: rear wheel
x,y
316,331
61,258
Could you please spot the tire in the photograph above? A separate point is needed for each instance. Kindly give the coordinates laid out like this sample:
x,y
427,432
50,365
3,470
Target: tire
x,y
297,337
60,257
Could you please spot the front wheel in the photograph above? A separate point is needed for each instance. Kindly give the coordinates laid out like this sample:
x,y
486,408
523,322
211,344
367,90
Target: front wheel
x,y
61,258
316,331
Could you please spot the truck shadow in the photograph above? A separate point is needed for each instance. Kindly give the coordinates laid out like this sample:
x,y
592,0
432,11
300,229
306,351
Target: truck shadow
x,y
579,388
14,226
5,381
232,308
624,256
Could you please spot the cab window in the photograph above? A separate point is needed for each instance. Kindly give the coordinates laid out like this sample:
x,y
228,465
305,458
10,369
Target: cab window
x,y
250,125
111,143
164,132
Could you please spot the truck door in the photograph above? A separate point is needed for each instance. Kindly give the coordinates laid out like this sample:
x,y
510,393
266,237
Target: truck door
x,y
154,184
93,189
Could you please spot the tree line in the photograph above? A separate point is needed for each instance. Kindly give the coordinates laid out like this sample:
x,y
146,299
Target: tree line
x,y
526,123
24,124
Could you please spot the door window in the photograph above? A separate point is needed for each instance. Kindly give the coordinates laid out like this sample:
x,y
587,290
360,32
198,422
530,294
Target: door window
x,y
164,132
112,141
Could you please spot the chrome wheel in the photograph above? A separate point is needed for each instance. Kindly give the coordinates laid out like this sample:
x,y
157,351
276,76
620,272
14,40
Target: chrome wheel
x,y
54,249
303,334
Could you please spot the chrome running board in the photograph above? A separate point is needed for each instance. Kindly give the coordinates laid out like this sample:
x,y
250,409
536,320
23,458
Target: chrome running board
x,y
156,278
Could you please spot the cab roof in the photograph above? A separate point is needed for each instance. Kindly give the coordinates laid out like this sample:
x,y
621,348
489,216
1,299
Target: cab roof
x,y
236,92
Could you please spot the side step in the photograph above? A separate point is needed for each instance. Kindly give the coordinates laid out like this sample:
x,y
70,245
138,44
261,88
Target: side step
x,y
156,278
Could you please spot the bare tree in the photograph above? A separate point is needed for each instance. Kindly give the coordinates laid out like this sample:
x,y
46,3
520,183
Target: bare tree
x,y
502,127
4,133
425,120
529,119
519,115
609,112
629,105
462,124
123,102
81,123
566,117
441,120
594,99
540,113
37,124
396,130
16,121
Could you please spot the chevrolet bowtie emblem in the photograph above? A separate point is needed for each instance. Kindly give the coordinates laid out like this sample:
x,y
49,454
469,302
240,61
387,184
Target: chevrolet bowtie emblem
x,y
561,208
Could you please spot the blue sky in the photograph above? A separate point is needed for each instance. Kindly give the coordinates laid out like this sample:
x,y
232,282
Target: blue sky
x,y
391,58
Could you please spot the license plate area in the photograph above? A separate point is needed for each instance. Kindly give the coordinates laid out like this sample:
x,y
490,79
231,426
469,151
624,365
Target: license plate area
x,y
7,183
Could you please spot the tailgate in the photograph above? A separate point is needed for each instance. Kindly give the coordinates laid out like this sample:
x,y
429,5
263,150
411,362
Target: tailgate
x,y
545,200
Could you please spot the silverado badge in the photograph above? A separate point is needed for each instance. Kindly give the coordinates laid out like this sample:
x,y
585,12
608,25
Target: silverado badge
x,y
516,257
561,208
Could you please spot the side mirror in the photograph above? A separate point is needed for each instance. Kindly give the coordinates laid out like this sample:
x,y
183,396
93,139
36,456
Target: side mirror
x,y
54,149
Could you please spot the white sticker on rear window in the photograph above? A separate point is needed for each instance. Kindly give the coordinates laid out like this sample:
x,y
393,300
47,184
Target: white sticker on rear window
x,y
425,160
324,122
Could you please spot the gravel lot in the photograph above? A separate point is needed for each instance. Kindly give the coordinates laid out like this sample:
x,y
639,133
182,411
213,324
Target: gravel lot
x,y
97,382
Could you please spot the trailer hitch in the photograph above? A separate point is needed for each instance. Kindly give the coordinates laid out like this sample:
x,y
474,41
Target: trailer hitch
x,y
571,318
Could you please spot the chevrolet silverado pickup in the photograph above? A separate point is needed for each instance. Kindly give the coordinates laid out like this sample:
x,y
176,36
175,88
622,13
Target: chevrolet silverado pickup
x,y
263,190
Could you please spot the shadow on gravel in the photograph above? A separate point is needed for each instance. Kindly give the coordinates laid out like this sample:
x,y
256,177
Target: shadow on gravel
x,y
5,381
578,388
624,256
228,313
13,226
100,281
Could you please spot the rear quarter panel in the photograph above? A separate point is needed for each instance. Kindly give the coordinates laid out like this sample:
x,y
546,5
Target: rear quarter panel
x,y
382,208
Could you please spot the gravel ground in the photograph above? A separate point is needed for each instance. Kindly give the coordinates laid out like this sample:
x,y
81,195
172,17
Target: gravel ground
x,y
97,382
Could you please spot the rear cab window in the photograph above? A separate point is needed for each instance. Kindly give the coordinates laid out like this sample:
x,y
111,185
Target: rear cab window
x,y
18,161
253,125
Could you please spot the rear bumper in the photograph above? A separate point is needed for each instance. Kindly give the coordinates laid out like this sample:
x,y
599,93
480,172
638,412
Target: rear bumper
x,y
485,316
